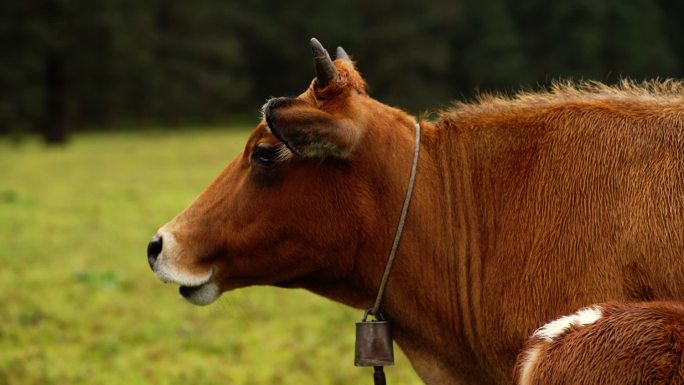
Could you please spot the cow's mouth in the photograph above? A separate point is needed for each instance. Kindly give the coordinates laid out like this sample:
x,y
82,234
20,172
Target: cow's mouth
x,y
187,291
203,294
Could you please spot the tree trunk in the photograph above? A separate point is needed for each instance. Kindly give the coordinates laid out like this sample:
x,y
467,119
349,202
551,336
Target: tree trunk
x,y
54,125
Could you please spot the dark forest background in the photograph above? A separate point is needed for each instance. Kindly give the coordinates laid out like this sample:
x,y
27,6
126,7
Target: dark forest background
x,y
83,64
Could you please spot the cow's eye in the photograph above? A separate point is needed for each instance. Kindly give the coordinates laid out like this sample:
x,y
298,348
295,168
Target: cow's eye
x,y
265,155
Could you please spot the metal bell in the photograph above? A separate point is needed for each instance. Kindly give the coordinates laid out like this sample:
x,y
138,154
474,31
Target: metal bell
x,y
373,343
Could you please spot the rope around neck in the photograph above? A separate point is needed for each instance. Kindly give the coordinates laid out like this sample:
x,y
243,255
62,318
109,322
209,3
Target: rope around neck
x,y
400,228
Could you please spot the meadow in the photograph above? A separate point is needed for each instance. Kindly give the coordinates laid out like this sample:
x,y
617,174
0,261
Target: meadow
x,y
79,304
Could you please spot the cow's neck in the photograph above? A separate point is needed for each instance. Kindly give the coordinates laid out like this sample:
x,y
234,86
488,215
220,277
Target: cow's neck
x,y
439,277
436,269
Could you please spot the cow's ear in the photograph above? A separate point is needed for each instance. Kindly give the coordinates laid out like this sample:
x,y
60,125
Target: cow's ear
x,y
308,131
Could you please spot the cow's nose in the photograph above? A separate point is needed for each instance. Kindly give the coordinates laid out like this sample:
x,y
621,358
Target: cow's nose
x,y
153,250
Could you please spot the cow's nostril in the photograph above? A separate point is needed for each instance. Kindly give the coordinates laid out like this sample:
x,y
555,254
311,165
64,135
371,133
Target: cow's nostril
x,y
153,250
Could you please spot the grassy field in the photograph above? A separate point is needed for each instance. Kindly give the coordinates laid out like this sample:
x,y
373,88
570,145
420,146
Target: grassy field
x,y
79,305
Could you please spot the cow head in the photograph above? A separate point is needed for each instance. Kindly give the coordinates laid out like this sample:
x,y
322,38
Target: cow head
x,y
304,202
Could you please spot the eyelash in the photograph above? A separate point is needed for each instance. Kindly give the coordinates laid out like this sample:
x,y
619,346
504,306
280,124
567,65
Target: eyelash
x,y
265,155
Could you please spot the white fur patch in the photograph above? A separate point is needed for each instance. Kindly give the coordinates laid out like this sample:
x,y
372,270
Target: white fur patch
x,y
168,274
166,271
204,295
262,110
528,365
558,327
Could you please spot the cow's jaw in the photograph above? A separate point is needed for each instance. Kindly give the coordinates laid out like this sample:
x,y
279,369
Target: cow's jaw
x,y
198,289
200,295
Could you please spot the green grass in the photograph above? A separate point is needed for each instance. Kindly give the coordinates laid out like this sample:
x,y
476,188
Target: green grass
x,y
79,305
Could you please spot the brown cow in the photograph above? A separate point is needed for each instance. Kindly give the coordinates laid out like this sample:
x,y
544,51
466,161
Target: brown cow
x,y
608,344
524,209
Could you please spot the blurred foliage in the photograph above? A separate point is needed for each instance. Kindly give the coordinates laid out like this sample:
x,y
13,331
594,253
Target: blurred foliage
x,y
79,304
84,63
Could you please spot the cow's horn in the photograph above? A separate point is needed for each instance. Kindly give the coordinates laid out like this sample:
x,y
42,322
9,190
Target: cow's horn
x,y
325,69
341,54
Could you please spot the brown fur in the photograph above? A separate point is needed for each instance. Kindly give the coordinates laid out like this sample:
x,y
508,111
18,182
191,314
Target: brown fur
x,y
631,344
525,208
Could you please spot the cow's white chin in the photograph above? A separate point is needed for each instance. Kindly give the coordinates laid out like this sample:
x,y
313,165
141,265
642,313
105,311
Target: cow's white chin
x,y
200,295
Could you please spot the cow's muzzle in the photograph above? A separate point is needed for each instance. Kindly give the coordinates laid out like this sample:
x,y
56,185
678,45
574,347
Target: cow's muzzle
x,y
163,256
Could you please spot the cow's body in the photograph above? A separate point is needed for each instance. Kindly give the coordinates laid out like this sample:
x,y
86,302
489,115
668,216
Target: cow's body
x,y
608,344
532,210
524,209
